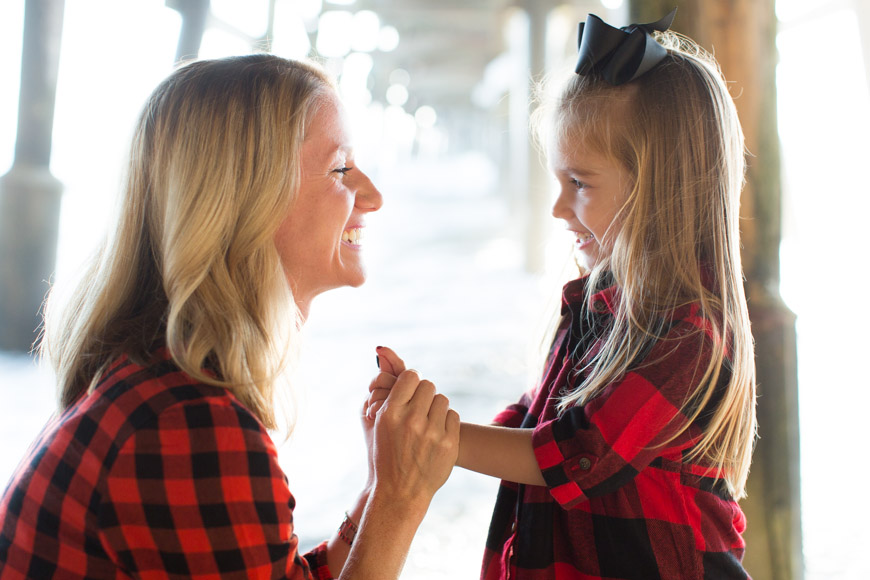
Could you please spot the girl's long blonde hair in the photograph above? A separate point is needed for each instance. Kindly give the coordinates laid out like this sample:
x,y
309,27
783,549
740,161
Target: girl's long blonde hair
x,y
676,240
191,263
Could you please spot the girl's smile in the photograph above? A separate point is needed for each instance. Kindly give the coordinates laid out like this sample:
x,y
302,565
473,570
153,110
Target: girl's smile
x,y
592,190
583,240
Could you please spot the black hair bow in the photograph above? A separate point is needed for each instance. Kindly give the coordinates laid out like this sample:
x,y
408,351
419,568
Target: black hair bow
x,y
620,55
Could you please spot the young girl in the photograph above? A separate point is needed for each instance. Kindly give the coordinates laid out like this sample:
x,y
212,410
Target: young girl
x,y
627,459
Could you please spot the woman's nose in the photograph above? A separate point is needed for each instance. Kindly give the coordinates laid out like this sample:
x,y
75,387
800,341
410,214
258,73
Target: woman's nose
x,y
368,197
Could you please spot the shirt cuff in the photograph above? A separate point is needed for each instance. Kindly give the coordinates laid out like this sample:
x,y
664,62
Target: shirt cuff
x,y
562,474
317,563
511,417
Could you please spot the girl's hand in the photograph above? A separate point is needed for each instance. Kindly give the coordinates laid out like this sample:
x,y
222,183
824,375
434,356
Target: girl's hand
x,y
416,439
391,367
389,361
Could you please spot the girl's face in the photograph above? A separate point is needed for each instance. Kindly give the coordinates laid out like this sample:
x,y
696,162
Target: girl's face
x,y
320,239
592,189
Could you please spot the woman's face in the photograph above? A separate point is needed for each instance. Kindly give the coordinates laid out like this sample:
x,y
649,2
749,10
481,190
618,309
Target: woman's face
x,y
592,189
320,240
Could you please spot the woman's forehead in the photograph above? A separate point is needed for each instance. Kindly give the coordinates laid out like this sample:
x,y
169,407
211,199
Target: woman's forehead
x,y
328,129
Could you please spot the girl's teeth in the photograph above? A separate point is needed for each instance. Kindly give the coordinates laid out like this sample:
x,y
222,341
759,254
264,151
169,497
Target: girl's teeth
x,y
353,236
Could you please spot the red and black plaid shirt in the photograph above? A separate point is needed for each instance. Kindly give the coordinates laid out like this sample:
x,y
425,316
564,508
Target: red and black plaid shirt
x,y
152,475
617,504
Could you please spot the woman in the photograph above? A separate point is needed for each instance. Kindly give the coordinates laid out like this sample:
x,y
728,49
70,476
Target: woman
x,y
242,203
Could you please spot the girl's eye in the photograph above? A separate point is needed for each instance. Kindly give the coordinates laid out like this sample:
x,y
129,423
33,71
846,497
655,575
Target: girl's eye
x,y
577,183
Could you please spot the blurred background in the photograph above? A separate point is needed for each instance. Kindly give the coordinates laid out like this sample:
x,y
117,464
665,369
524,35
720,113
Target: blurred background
x,y
463,258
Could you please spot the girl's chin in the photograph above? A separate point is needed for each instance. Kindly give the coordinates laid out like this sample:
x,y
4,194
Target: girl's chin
x,y
585,258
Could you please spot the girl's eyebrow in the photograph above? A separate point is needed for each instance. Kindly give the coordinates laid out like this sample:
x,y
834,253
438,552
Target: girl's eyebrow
x,y
582,172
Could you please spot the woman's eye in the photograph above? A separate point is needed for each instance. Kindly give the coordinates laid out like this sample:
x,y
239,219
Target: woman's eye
x,y
342,170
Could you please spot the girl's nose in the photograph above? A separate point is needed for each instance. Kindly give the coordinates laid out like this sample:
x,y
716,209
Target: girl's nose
x,y
562,208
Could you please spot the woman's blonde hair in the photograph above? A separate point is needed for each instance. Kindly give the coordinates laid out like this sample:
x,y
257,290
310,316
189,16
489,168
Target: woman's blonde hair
x,y
191,264
676,239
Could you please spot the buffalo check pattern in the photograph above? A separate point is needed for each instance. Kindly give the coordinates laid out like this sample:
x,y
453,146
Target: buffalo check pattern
x,y
152,475
618,502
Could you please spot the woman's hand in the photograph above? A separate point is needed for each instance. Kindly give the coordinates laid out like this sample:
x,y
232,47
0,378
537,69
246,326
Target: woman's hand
x,y
413,439
416,439
393,375
413,442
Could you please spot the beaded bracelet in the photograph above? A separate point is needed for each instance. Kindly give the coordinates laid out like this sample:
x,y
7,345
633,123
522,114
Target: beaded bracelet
x,y
347,530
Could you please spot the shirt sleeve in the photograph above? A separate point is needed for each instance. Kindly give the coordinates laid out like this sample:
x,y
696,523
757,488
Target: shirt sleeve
x,y
197,492
594,449
513,415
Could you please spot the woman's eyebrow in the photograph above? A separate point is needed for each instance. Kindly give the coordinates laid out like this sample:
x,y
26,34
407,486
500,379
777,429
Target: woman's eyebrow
x,y
335,151
339,148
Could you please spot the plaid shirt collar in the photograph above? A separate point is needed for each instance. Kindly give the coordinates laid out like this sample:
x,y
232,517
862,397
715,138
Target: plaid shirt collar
x,y
605,301
574,293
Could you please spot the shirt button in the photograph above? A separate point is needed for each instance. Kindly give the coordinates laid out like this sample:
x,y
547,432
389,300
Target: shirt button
x,y
599,306
585,463
513,527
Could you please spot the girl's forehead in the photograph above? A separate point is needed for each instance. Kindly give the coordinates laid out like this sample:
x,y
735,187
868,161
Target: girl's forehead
x,y
573,145
577,156
592,116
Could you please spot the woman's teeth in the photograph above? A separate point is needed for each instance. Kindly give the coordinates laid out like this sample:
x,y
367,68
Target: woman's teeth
x,y
353,236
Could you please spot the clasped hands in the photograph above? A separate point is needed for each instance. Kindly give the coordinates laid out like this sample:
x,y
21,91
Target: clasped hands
x,y
411,432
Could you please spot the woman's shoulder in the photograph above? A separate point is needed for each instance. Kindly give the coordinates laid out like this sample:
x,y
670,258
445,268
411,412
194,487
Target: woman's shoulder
x,y
156,394
151,376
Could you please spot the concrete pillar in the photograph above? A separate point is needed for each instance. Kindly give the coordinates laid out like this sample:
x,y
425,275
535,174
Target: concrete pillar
x,y
536,182
534,56
29,194
516,178
742,35
862,11
194,17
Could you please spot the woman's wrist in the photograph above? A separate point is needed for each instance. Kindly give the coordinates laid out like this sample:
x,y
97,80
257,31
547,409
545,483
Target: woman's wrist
x,y
348,529
338,547
414,506
385,534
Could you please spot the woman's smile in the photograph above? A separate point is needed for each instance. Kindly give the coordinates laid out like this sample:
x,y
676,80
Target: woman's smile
x,y
334,197
353,237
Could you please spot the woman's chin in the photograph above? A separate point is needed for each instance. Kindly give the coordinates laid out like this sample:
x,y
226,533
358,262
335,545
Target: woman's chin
x,y
357,281
354,275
